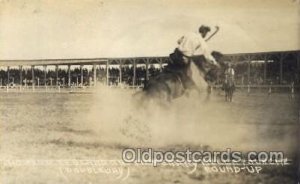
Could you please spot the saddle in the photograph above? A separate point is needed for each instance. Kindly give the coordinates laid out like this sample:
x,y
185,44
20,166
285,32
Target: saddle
x,y
178,67
176,59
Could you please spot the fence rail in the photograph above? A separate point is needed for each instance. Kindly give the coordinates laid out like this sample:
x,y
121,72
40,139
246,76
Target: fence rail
x,y
58,89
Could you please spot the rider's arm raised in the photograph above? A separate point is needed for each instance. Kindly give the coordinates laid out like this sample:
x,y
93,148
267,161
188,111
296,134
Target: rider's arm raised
x,y
207,52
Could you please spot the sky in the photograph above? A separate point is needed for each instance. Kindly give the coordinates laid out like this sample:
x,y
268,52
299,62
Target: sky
x,y
45,29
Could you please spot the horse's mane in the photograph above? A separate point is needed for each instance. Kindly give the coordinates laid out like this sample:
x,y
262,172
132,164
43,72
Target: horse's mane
x,y
211,72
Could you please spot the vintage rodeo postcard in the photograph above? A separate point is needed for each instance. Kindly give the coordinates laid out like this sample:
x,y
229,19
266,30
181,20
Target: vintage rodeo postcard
x,y
149,91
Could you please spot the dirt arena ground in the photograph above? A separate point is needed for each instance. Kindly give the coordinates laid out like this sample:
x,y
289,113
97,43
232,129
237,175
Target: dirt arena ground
x,y
61,127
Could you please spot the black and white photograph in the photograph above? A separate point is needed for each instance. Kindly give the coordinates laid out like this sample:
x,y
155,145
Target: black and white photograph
x,y
149,91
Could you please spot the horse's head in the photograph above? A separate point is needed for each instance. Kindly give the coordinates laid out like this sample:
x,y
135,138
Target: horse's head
x,y
215,71
209,70
219,57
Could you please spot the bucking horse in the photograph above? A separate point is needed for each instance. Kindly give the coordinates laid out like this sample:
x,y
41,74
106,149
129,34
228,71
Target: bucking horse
x,y
173,82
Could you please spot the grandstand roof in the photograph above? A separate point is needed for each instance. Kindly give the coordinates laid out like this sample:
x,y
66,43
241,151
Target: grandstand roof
x,y
155,59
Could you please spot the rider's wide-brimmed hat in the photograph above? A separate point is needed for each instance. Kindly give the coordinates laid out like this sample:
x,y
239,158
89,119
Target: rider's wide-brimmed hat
x,y
204,28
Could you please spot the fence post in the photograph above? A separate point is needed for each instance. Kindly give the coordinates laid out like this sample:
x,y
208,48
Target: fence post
x,y
248,88
292,91
270,89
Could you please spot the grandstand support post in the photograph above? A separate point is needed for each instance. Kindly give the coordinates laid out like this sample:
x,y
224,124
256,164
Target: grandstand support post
x,y
21,76
107,72
100,73
298,61
249,71
32,77
81,75
147,69
281,58
120,71
56,75
51,81
298,67
281,71
94,74
134,73
8,75
69,75
265,71
45,75
160,64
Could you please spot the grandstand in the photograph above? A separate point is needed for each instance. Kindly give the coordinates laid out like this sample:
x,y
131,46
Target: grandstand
x,y
280,68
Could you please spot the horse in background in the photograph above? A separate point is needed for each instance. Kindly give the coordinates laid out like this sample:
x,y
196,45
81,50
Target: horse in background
x,y
229,88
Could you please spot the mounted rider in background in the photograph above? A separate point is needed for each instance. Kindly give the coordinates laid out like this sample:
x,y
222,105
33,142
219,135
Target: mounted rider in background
x,y
229,73
182,56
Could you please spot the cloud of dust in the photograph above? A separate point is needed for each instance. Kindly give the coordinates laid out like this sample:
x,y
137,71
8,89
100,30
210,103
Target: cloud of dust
x,y
120,119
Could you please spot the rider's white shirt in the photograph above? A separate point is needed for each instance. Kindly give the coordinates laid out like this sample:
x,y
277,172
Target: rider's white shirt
x,y
192,42
230,71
